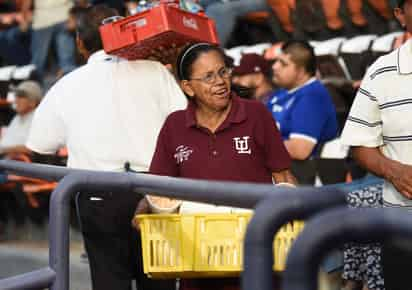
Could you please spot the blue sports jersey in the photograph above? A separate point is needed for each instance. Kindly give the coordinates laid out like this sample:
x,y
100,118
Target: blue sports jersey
x,y
307,112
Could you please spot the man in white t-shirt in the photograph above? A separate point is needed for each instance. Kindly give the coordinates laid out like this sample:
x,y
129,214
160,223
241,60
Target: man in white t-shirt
x,y
379,132
108,113
28,95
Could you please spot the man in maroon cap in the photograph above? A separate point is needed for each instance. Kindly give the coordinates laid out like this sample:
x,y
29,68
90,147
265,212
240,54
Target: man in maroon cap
x,y
254,72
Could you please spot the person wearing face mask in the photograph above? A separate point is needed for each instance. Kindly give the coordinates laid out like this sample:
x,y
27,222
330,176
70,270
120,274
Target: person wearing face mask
x,y
219,136
254,72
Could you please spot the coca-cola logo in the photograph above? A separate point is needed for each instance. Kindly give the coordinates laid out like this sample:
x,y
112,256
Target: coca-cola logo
x,y
190,23
137,23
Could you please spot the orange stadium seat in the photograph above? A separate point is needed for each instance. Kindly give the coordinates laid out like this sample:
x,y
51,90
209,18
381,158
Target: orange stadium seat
x,y
382,7
331,10
257,16
282,10
30,186
355,10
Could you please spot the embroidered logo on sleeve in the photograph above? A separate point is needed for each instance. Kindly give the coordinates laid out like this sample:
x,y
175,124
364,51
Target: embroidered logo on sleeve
x,y
182,154
242,145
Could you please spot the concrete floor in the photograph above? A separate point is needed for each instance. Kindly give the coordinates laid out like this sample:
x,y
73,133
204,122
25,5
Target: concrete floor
x,y
18,257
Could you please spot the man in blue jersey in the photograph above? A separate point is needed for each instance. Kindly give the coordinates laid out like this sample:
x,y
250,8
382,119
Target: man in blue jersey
x,y
302,108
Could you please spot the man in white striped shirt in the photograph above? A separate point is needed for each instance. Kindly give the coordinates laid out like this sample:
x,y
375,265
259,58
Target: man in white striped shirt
x,y
379,130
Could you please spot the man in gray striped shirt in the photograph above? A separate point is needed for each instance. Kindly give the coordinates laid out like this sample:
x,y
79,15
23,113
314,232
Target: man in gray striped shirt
x,y
379,131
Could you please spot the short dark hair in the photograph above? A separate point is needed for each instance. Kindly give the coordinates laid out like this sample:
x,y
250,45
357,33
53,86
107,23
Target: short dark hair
x,y
302,54
88,26
77,11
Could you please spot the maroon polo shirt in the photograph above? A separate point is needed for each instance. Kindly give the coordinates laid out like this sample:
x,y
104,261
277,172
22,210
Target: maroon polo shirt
x,y
246,147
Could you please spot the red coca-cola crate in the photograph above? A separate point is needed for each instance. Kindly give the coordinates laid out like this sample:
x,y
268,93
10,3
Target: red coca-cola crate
x,y
135,36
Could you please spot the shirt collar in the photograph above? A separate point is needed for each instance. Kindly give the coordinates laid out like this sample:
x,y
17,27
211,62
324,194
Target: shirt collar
x,y
237,114
309,81
101,56
404,58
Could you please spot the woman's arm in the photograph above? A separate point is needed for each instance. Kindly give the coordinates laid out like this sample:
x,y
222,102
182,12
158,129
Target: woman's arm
x,y
284,176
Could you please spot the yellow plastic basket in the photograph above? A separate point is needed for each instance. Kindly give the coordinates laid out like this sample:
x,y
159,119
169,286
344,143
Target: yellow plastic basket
x,y
202,245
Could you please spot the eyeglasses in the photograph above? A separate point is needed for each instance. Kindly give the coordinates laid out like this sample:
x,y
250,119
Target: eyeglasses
x,y
210,78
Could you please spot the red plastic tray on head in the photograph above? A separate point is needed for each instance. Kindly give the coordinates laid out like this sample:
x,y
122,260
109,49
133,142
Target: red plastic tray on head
x,y
135,36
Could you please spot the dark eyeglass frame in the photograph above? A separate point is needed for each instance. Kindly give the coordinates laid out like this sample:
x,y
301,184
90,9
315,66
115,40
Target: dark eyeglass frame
x,y
225,73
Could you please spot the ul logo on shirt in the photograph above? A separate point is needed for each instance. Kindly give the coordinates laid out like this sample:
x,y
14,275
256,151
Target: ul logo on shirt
x,y
242,145
182,153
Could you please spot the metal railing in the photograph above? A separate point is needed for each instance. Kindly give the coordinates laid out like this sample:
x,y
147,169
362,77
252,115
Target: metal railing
x,y
270,215
275,207
340,226
243,195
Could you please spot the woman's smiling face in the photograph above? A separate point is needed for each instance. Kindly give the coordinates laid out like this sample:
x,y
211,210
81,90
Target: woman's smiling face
x,y
209,81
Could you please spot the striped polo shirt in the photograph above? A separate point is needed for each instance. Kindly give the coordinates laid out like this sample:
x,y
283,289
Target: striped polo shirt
x,y
381,114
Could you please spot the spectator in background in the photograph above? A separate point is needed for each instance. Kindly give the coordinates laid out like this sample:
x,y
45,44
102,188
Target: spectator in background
x,y
225,14
13,202
14,37
14,48
49,27
75,13
302,107
28,95
379,133
108,113
254,72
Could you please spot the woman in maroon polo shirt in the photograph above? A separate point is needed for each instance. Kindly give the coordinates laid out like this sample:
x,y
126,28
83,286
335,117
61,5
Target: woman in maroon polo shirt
x,y
219,136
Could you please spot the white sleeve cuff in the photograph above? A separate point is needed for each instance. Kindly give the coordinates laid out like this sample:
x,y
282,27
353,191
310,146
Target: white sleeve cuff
x,y
303,136
355,134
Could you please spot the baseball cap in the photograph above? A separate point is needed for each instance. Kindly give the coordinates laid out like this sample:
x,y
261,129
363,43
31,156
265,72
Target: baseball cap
x,y
252,63
29,89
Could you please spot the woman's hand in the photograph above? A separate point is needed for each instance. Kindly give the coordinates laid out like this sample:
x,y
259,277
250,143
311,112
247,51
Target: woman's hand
x,y
284,176
142,208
